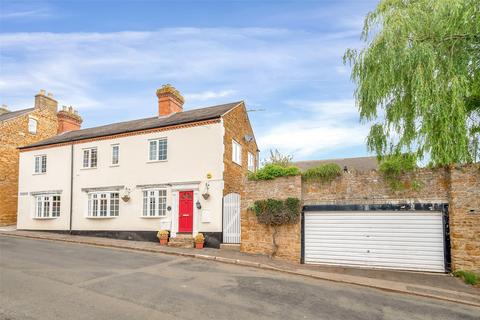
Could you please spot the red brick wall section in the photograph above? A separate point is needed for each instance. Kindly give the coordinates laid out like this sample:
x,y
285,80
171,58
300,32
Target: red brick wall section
x,y
14,133
257,238
464,216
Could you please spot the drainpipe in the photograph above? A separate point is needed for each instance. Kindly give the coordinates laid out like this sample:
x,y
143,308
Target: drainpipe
x,y
71,187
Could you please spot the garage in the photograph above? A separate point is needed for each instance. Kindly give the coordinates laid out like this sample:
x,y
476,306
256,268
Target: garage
x,y
404,240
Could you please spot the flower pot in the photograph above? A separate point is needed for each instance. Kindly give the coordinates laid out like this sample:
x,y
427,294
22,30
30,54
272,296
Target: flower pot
x,y
198,245
163,241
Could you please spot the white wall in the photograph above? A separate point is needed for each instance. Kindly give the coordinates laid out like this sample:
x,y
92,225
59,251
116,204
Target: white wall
x,y
57,177
192,154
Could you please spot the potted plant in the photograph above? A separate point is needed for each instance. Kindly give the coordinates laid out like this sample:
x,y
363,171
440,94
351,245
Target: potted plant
x,y
199,240
162,235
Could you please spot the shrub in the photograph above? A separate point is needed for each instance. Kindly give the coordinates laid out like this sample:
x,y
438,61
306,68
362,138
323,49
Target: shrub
x,y
468,277
324,172
163,234
272,171
274,213
199,238
277,212
393,167
282,160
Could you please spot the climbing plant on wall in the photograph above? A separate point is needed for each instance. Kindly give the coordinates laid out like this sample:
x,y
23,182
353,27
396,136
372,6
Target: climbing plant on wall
x,y
273,212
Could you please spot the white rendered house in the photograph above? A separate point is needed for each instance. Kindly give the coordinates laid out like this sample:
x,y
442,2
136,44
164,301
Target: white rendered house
x,y
133,178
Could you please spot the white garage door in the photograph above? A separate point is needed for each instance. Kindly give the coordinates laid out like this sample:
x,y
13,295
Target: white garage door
x,y
376,239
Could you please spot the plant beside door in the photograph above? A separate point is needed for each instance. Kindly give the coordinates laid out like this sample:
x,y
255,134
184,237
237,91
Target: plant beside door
x,y
162,235
199,241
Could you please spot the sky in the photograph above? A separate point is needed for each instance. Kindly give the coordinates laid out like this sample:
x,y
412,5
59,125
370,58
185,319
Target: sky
x,y
107,57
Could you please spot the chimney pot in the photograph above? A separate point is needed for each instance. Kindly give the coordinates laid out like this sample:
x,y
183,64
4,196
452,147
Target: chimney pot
x,y
4,109
50,95
42,92
170,100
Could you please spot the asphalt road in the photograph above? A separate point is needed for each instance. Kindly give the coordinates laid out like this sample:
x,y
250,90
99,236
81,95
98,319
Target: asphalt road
x,y
52,280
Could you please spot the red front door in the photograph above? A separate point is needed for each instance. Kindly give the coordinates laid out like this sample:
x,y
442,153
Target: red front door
x,y
185,212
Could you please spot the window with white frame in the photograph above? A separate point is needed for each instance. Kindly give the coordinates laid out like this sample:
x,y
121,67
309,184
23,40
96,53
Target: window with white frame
x,y
47,206
40,164
236,152
115,154
157,149
154,203
32,125
251,162
90,158
103,204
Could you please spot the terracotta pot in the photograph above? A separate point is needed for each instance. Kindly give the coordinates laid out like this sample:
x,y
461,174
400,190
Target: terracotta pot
x,y
199,245
163,241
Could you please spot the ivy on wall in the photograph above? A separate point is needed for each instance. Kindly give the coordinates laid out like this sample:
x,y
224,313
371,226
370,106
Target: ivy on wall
x,y
272,171
273,212
323,173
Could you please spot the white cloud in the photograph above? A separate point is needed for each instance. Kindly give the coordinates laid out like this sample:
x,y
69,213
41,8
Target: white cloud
x,y
209,95
120,71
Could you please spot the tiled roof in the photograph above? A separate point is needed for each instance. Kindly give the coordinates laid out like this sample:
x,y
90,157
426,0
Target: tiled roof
x,y
14,114
353,164
184,117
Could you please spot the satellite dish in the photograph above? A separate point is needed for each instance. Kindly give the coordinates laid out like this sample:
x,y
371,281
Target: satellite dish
x,y
248,137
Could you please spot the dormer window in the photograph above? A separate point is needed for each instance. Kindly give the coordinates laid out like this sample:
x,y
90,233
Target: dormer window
x,y
32,125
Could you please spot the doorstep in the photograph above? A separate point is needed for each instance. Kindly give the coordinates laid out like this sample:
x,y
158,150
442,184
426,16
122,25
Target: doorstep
x,y
421,284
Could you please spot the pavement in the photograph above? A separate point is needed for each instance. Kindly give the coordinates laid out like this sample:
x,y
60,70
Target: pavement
x,y
438,286
51,280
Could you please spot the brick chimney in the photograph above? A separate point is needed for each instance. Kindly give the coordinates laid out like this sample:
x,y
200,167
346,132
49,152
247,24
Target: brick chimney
x,y
169,101
45,100
68,120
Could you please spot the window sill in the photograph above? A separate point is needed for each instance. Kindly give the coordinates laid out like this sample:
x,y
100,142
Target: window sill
x,y
45,218
106,217
238,164
114,165
154,161
89,168
39,173
153,217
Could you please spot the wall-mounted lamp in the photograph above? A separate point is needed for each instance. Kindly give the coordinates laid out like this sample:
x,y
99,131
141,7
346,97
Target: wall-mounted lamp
x,y
199,205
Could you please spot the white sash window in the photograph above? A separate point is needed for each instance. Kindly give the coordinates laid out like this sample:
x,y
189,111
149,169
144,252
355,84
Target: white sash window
x,y
47,206
155,203
103,204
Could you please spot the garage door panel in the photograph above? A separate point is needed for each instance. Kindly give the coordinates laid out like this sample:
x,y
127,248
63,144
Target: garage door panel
x,y
396,240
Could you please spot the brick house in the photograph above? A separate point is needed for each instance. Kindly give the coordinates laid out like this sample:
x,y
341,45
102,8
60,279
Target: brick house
x,y
23,127
131,179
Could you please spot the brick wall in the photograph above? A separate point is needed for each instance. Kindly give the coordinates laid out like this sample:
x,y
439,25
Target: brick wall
x,y
257,238
464,216
237,125
14,133
458,186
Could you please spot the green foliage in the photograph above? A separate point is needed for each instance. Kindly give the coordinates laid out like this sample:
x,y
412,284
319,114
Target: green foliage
x,y
274,212
324,172
272,171
394,167
468,277
279,159
418,79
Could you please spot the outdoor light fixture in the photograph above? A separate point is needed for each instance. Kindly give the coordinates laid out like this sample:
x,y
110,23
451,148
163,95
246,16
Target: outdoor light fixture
x,y
199,205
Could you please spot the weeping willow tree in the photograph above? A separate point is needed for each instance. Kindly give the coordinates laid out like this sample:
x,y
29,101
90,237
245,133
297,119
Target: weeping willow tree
x,y
418,79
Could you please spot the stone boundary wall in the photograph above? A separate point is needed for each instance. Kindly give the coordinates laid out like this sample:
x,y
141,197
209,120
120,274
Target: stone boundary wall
x,y
458,186
257,238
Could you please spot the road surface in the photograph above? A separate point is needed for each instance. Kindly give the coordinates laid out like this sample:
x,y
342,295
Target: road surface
x,y
42,279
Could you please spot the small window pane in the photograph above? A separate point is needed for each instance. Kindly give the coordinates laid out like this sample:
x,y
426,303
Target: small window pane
x,y
153,150
32,126
162,149
115,154
93,156
86,158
